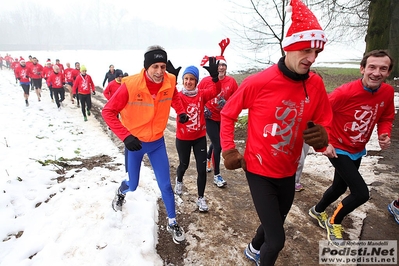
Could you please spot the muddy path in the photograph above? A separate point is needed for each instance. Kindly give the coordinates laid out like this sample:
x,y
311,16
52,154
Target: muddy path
x,y
219,236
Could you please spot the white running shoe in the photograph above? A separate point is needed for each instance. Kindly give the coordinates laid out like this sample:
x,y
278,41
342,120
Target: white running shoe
x,y
178,187
118,201
255,257
219,181
394,211
177,232
201,203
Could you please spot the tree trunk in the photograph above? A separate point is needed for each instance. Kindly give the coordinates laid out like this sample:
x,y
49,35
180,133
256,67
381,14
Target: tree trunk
x,y
379,24
383,29
393,46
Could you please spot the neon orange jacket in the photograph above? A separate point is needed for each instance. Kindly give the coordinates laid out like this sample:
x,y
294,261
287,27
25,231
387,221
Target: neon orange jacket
x,y
141,115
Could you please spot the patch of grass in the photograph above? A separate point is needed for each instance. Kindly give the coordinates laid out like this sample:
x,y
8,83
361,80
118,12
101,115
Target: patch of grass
x,y
333,76
242,122
77,151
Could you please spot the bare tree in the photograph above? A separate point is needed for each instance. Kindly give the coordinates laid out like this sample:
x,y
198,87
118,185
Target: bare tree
x,y
260,25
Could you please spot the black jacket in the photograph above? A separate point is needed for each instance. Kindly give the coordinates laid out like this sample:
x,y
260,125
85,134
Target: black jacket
x,y
109,76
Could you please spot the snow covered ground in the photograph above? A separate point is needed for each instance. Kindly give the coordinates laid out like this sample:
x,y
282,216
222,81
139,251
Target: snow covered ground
x,y
44,222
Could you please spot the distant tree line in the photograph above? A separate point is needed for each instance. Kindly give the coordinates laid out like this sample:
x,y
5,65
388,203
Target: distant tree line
x,y
101,25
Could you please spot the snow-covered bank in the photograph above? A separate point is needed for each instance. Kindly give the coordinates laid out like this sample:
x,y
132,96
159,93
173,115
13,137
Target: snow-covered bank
x,y
47,222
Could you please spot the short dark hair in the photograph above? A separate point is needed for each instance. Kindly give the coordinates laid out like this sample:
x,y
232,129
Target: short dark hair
x,y
376,53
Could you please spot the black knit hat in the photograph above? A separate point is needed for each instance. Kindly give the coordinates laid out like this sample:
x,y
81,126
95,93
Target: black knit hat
x,y
154,56
118,73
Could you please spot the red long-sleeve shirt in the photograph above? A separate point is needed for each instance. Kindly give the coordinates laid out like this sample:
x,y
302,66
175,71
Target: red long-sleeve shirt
x,y
68,73
22,73
356,112
194,107
56,80
278,112
46,73
111,89
35,71
215,105
83,84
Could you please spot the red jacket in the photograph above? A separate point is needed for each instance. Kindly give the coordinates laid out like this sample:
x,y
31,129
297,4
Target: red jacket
x,y
356,112
22,73
68,73
61,68
14,64
195,128
83,85
111,89
46,73
278,112
215,105
75,73
35,71
56,80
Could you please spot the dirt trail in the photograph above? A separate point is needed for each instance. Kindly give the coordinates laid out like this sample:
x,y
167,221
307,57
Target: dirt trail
x,y
219,236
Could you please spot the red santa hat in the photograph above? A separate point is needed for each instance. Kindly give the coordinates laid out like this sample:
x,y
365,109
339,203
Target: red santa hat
x,y
305,31
220,58
48,61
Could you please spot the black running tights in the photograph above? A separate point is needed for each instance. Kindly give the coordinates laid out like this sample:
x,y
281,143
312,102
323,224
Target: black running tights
x,y
272,198
346,175
213,131
184,150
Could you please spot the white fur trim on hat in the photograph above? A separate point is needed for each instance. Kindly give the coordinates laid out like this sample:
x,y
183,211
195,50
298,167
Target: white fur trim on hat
x,y
222,61
317,38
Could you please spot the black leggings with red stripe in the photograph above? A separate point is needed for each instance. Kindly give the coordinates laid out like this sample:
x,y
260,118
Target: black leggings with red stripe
x,y
272,198
346,175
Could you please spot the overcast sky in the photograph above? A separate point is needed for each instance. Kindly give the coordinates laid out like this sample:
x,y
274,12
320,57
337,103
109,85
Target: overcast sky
x,y
182,24
204,14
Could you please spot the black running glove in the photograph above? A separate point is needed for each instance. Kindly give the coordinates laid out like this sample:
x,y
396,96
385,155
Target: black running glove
x,y
213,69
183,118
132,143
172,70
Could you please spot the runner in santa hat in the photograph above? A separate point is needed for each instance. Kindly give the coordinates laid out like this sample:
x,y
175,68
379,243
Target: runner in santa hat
x,y
214,106
281,101
47,71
